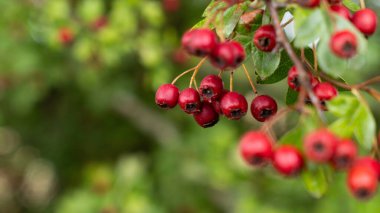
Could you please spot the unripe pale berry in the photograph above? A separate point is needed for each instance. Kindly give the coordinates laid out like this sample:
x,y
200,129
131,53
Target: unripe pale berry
x,y
263,107
256,148
167,96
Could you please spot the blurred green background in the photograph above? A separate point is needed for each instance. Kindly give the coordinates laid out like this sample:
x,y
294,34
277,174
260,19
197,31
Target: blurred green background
x,y
80,133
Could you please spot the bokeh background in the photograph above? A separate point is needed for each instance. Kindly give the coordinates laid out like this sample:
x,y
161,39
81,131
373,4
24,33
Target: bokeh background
x,y
80,133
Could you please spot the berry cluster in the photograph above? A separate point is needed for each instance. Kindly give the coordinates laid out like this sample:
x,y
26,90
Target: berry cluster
x,y
319,147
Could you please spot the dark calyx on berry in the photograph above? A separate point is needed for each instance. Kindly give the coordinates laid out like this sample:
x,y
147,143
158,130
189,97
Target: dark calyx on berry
x,y
211,88
344,44
167,96
263,107
265,38
320,145
207,117
345,154
234,105
256,148
189,101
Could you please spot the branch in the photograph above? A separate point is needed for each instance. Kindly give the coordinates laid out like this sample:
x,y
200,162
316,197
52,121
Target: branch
x,y
303,77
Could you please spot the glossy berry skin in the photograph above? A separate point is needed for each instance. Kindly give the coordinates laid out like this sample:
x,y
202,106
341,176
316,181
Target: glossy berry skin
x,y
234,105
345,155
309,3
216,103
325,91
320,146
256,148
66,36
211,88
371,163
228,55
167,96
199,42
263,107
341,11
265,38
288,161
293,81
344,44
366,21
190,101
207,117
362,182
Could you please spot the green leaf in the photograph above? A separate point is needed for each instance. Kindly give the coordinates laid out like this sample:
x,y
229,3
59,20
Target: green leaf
x,y
265,63
315,180
355,118
351,5
291,97
231,19
312,28
280,73
294,137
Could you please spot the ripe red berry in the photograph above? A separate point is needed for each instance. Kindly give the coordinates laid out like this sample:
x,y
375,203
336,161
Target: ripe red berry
x,y
366,21
294,82
362,182
325,91
263,107
369,162
335,2
345,155
211,88
341,10
167,96
309,3
216,103
287,160
234,105
320,145
265,38
228,55
199,42
66,36
256,148
344,44
190,101
207,117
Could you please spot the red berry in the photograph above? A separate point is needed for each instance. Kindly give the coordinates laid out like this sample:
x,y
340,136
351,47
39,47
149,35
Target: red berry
x,y
167,96
320,145
256,148
371,163
100,23
66,35
309,3
287,160
263,107
366,21
207,117
199,42
294,82
345,154
265,38
325,91
228,55
362,182
190,101
234,105
341,11
211,88
344,44
335,1
216,103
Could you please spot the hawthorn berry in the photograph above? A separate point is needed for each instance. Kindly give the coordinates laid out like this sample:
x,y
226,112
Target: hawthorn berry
x,y
287,160
325,91
366,21
265,38
199,42
263,107
207,117
362,182
335,1
216,103
344,44
293,81
234,105
66,35
369,162
256,148
190,101
345,154
211,88
227,55
341,10
167,96
309,3
320,146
